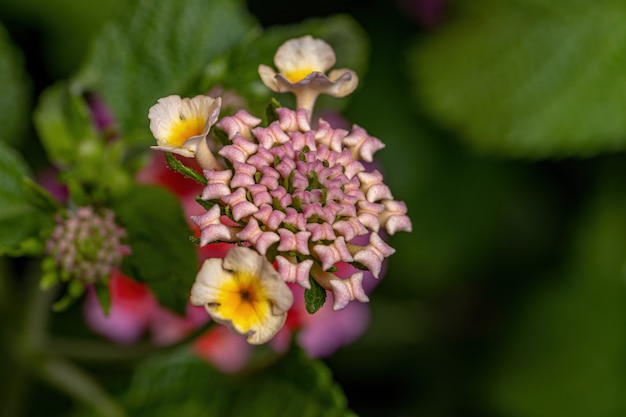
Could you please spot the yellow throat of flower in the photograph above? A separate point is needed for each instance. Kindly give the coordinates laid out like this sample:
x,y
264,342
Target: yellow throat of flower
x,y
244,300
184,129
298,75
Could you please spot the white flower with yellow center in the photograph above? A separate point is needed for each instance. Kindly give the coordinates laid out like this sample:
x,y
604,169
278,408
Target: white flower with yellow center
x,y
302,64
181,125
244,292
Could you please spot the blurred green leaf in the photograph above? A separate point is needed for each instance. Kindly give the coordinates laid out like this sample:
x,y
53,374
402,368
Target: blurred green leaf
x,y
14,100
64,28
40,197
162,254
533,78
159,48
563,355
239,72
20,219
63,123
179,383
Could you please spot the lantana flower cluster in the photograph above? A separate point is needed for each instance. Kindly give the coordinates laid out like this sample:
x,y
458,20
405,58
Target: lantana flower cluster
x,y
86,244
294,199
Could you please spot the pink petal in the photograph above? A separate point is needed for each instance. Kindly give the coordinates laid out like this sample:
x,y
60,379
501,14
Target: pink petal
x,y
331,254
217,184
296,272
239,151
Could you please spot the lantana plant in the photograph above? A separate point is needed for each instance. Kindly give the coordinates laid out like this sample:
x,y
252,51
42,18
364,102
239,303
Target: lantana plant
x,y
181,242
294,197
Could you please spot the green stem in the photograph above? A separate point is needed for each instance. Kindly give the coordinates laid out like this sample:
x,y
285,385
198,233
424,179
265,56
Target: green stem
x,y
26,337
97,351
70,379
33,357
15,393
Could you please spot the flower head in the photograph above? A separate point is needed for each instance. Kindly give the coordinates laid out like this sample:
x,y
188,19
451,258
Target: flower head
x,y
303,198
244,292
86,245
181,125
306,197
302,64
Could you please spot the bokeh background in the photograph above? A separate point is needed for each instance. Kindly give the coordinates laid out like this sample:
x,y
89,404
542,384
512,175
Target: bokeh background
x,y
504,124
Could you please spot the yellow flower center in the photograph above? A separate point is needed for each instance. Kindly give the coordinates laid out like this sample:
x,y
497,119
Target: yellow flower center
x,y
298,75
184,129
243,300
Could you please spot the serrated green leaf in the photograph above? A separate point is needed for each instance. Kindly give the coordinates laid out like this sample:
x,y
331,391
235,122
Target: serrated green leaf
x,y
178,166
63,123
162,254
314,297
206,204
159,48
20,220
532,78
14,100
240,71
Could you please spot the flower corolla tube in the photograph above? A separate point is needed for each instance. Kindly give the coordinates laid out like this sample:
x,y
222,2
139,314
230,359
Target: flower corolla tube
x,y
181,125
302,65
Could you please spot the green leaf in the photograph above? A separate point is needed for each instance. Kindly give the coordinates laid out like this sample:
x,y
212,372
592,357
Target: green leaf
x,y
271,115
178,166
40,197
179,383
63,122
532,78
295,386
162,254
159,48
314,297
20,220
240,70
14,100
563,351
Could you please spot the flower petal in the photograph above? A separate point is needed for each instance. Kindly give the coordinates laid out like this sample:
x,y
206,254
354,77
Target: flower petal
x,y
245,293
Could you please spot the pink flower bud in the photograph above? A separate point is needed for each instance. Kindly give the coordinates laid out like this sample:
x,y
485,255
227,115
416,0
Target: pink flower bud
x,y
293,271
260,240
240,206
217,184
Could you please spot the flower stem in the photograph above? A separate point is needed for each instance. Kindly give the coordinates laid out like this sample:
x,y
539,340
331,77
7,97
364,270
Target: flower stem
x,y
97,351
34,357
70,379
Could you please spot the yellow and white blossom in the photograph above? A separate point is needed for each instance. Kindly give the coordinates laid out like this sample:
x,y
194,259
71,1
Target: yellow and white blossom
x,y
181,125
302,64
244,292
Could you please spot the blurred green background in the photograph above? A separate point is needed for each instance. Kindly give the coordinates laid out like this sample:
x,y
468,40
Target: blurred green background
x,y
505,130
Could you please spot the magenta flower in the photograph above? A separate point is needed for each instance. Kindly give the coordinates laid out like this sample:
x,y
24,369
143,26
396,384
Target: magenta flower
x,y
135,314
134,311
